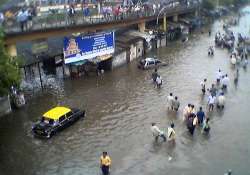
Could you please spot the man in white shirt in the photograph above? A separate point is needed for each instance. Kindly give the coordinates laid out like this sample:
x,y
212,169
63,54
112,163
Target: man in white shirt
x,y
157,132
158,81
186,112
203,86
225,82
221,101
170,100
218,76
211,101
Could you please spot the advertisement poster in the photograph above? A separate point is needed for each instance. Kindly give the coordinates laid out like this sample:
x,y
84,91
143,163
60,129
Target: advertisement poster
x,y
88,46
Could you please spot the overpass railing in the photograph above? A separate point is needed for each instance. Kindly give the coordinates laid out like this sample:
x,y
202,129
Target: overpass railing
x,y
64,21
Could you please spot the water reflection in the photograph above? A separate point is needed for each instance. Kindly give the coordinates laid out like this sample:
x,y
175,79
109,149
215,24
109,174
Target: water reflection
x,y
120,107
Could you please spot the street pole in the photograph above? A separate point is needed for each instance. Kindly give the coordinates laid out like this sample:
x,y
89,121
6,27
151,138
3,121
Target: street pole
x,y
157,19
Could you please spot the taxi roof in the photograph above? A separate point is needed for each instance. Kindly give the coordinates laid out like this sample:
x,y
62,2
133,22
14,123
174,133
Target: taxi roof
x,y
56,113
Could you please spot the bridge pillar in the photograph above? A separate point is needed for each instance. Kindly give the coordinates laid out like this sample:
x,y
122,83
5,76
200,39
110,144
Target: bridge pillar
x,y
142,26
11,50
175,18
165,23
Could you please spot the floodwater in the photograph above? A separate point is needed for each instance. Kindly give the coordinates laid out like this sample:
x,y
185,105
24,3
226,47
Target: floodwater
x,y
120,107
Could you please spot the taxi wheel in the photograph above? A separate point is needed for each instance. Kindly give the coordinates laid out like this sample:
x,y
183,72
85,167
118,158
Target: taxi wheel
x,y
50,134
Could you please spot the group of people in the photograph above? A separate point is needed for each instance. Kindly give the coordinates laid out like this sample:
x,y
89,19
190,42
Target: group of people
x,y
168,136
226,40
24,17
191,117
173,102
156,78
194,119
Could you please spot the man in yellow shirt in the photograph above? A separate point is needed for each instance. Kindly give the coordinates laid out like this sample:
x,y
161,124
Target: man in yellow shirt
x,y
105,163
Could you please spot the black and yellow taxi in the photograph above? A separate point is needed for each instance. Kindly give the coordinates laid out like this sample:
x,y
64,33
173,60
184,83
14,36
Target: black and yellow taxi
x,y
55,120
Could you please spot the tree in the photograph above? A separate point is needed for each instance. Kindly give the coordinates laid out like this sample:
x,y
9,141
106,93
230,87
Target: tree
x,y
208,4
9,70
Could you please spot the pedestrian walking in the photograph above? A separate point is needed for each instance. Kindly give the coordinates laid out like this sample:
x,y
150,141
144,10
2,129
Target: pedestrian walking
x,y
105,163
213,90
175,104
186,111
201,116
171,133
190,124
157,133
22,18
170,100
218,76
158,81
154,76
192,110
245,63
236,76
221,101
225,82
203,86
71,13
206,126
211,101
233,59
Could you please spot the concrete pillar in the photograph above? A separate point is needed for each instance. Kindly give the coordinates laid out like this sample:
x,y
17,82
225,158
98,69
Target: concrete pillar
x,y
11,50
165,23
99,7
175,18
142,26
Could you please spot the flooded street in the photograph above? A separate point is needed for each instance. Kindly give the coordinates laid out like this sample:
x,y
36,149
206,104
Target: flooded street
x,y
122,104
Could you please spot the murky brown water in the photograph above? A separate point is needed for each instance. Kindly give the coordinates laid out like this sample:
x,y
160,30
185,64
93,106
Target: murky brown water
x,y
120,108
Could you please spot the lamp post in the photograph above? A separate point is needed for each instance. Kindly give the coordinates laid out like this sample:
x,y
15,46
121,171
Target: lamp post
x,y
157,23
157,19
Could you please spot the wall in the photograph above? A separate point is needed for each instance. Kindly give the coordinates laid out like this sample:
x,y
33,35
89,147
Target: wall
x,y
132,52
139,49
119,59
163,41
5,107
158,43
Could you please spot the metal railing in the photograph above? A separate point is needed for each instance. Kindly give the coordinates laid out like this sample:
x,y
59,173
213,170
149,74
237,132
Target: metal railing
x,y
60,20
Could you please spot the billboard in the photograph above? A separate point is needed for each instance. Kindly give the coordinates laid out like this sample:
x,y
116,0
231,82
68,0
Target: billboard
x,y
39,46
88,46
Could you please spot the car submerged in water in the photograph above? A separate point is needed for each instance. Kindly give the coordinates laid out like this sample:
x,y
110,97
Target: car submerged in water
x,y
149,63
55,120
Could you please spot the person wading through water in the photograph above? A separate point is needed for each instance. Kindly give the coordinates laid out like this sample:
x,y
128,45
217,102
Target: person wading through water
x,y
154,76
175,104
105,163
206,126
157,132
203,86
171,134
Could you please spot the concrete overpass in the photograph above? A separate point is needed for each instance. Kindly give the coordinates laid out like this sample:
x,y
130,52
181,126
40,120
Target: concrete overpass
x,y
52,30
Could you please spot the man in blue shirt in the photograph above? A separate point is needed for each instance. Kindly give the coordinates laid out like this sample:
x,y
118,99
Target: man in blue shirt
x,y
201,115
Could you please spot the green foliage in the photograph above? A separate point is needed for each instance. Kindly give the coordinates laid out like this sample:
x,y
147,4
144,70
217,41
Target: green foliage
x,y
208,4
9,69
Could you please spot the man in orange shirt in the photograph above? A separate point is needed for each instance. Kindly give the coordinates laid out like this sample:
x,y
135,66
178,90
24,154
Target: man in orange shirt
x,y
105,162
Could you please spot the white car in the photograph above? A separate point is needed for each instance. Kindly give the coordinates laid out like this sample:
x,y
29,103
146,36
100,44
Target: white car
x,y
150,63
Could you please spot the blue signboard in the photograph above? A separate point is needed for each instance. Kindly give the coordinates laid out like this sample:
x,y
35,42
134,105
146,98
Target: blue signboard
x,y
88,46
